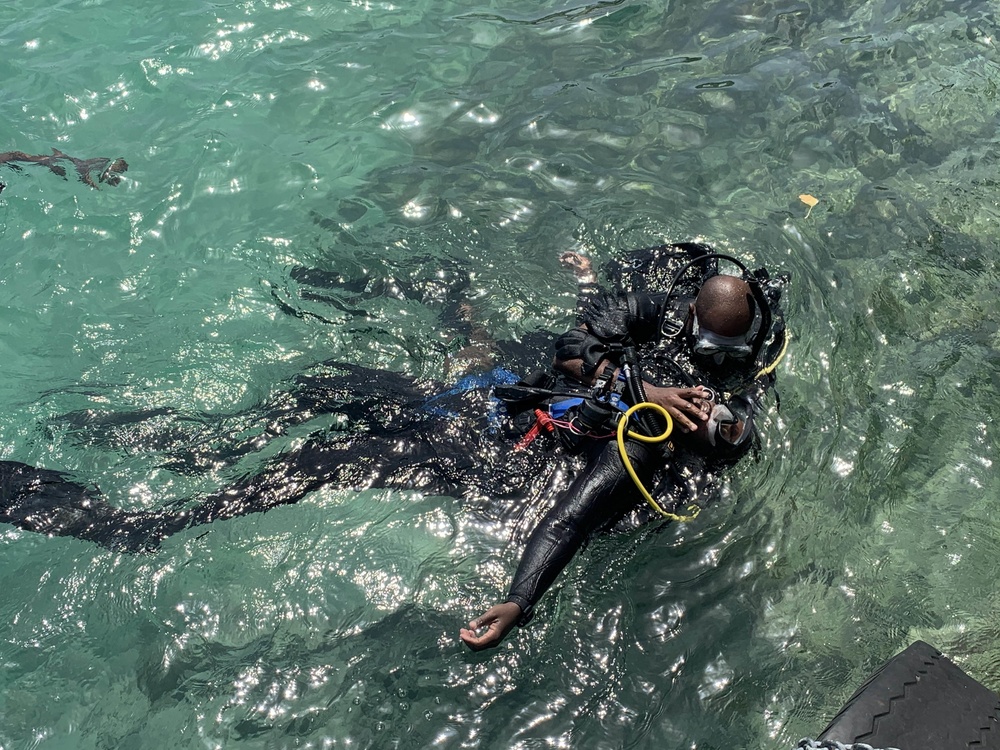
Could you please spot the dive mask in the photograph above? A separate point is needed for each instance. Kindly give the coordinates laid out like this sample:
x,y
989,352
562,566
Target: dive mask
x,y
718,348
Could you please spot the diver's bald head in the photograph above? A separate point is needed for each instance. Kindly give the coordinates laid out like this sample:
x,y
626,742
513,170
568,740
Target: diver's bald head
x,y
725,305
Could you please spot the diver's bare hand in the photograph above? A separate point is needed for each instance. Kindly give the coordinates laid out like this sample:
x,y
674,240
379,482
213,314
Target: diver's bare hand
x,y
579,264
685,405
498,620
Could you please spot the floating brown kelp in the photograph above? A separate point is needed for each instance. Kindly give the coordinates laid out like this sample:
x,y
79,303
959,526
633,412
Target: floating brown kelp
x,y
109,169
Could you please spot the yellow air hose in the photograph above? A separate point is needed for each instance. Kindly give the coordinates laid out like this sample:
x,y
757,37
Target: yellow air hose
x,y
694,509
773,366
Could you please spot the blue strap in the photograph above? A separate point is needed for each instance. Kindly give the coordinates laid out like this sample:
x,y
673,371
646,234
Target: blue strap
x,y
558,409
496,376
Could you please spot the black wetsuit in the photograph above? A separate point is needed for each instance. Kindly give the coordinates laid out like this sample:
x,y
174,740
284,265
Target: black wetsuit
x,y
603,494
394,433
398,434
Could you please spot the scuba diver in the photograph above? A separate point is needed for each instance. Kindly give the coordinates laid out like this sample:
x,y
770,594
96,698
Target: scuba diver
x,y
710,343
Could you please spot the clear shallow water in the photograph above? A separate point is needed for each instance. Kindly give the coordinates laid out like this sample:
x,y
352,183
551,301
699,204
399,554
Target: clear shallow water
x,y
390,142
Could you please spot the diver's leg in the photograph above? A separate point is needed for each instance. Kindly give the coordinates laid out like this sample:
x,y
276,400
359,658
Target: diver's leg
x,y
421,454
284,480
419,458
46,502
195,442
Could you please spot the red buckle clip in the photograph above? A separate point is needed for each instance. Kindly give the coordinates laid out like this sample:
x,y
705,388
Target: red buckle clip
x,y
542,419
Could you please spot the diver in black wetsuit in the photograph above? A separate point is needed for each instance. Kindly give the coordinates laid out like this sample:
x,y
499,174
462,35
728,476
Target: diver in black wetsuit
x,y
712,342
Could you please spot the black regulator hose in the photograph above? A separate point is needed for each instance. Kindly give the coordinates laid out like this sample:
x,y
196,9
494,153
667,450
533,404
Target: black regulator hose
x,y
651,422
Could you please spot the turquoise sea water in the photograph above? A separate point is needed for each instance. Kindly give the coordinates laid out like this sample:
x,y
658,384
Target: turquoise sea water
x,y
386,141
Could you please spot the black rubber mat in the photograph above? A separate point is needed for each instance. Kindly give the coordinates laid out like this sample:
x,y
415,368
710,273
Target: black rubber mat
x,y
919,699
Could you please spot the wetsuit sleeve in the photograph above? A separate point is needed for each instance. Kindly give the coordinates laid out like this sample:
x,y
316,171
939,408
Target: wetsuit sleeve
x,y
598,498
607,320
622,317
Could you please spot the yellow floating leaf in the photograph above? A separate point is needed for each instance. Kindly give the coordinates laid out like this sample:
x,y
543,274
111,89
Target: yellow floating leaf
x,y
809,201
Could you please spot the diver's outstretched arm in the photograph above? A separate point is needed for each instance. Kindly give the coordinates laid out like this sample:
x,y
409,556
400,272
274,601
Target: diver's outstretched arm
x,y
600,496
